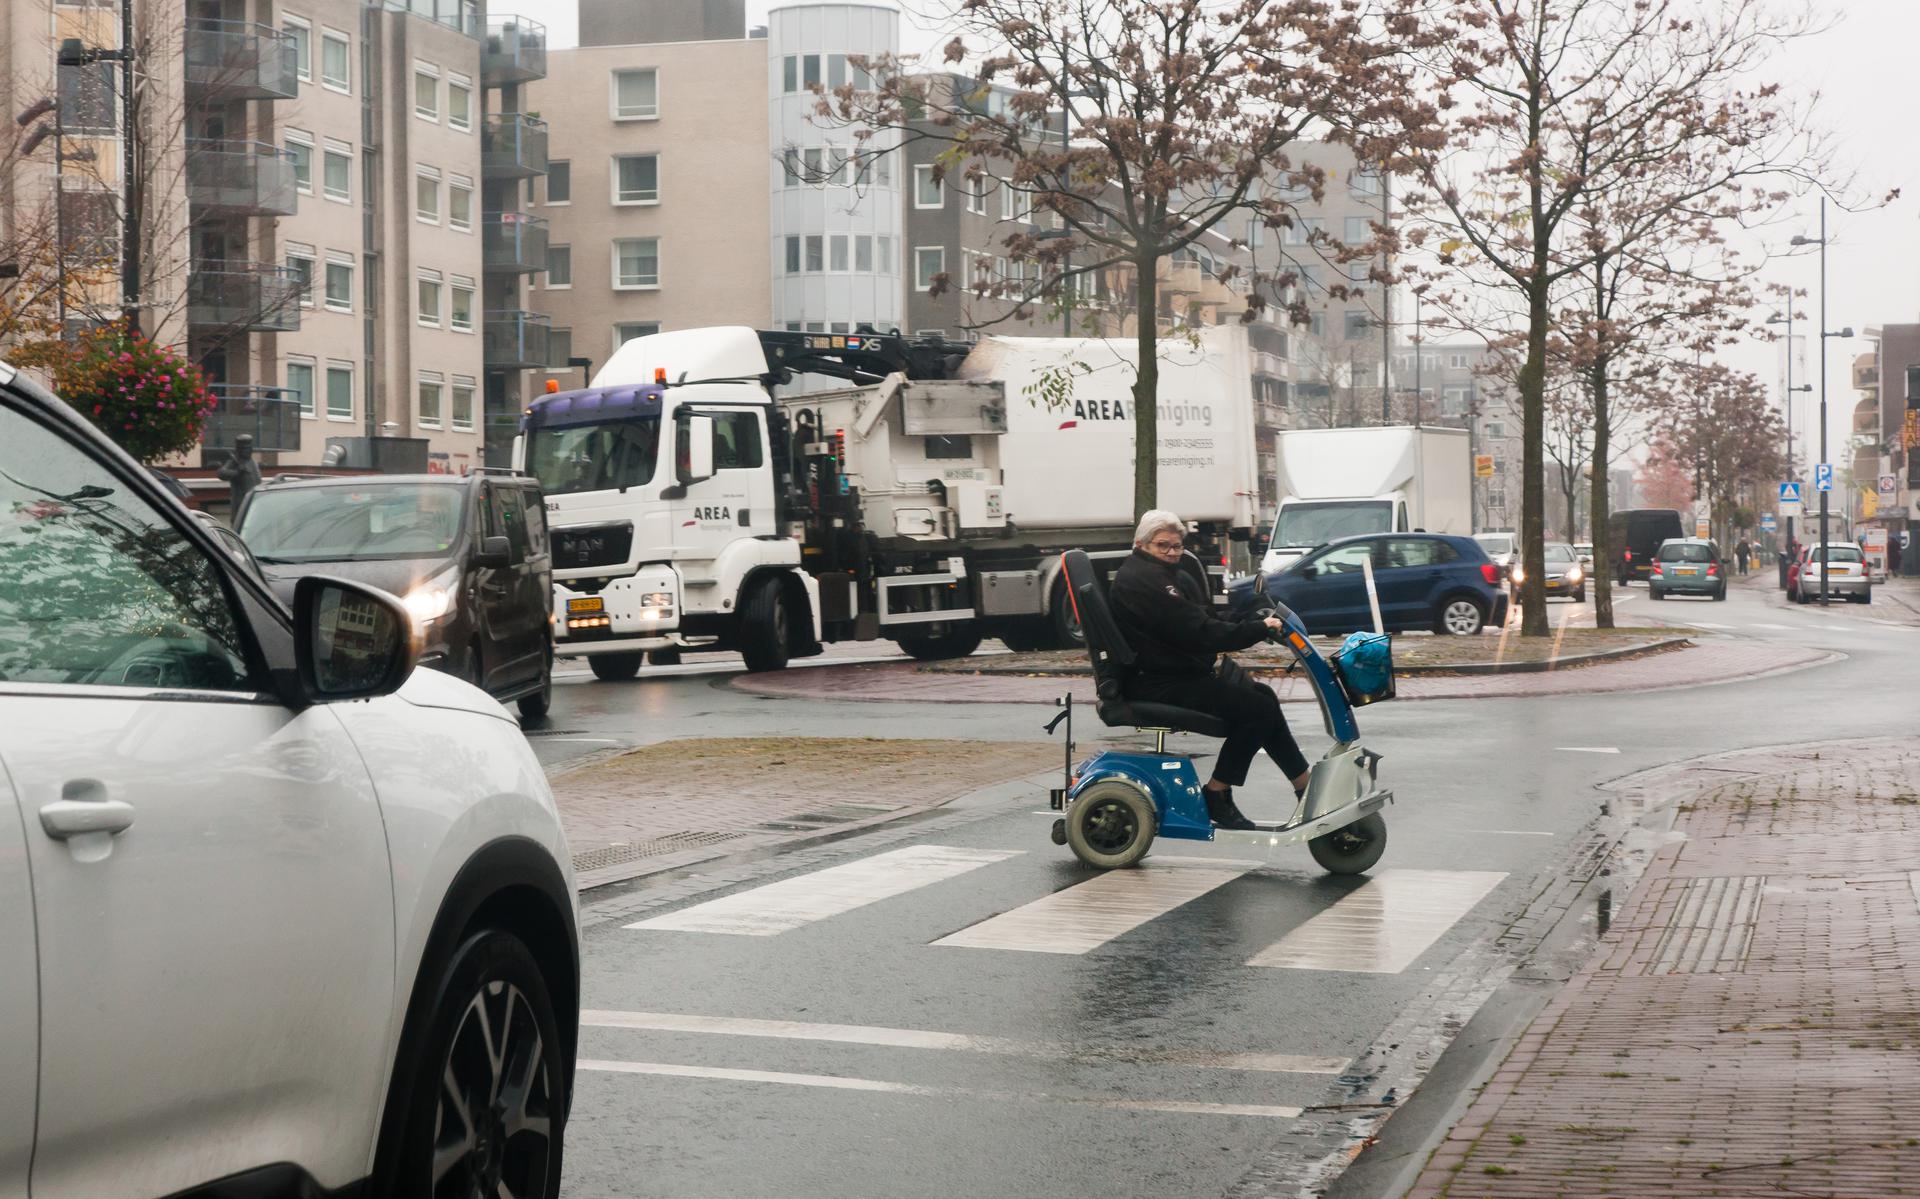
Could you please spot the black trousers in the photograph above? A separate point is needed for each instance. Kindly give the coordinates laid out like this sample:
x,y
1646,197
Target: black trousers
x,y
1252,713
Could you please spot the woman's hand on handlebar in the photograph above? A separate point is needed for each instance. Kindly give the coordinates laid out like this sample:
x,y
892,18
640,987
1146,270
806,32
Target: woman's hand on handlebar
x,y
1274,623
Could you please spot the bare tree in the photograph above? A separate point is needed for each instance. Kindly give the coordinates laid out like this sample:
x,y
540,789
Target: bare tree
x,y
1132,127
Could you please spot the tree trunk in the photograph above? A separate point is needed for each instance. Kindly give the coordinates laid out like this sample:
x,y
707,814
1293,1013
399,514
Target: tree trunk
x,y
1146,389
1599,499
1533,475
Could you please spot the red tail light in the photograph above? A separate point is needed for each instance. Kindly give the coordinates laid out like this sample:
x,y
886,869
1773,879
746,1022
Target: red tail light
x,y
1713,568
1490,573
1629,555
1656,568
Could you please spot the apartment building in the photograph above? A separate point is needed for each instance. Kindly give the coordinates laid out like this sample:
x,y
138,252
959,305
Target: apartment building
x,y
654,209
1453,389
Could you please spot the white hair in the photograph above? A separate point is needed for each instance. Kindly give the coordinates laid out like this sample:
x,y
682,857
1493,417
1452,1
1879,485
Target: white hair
x,y
1156,520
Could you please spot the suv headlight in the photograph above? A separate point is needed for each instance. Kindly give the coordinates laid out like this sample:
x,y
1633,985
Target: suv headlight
x,y
431,600
1574,573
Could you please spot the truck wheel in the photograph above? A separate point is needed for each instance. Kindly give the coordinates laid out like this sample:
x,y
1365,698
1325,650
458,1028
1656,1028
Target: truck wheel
x,y
1024,636
1110,825
614,668
1063,627
933,647
763,627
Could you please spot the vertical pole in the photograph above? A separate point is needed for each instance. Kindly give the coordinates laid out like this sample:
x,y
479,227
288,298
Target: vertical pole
x,y
1386,313
1419,352
1785,564
129,203
1822,550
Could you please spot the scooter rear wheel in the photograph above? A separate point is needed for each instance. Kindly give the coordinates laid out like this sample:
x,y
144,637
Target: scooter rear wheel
x,y
1351,850
1110,825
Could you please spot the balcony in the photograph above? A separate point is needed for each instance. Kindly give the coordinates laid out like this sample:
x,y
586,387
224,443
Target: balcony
x,y
1269,364
513,243
1269,416
461,15
513,146
1179,278
271,415
243,297
1866,373
516,340
239,60
240,178
515,52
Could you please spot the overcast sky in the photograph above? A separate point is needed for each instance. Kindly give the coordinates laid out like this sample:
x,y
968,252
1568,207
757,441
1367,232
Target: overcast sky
x,y
1863,70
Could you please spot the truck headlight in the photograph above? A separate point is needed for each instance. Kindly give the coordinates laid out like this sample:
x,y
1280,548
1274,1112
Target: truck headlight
x,y
657,599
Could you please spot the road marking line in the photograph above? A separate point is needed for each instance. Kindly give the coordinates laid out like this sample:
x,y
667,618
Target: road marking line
x,y
1913,880
837,1082
790,903
1385,925
1708,624
1508,832
915,1038
1778,628
1587,749
1088,915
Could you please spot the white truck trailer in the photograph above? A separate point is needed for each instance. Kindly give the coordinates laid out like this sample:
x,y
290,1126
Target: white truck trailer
x,y
1341,482
696,502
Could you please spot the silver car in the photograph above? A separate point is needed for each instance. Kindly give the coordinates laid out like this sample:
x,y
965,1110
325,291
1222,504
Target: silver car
x,y
1846,571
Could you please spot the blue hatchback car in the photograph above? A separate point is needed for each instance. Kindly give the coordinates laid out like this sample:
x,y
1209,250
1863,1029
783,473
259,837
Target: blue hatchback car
x,y
1425,581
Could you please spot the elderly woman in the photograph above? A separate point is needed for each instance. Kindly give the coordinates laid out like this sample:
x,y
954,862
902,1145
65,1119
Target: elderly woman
x,y
1175,635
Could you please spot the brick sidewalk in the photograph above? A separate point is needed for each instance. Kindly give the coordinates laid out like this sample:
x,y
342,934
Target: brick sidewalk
x,y
1710,662
680,802
1751,1024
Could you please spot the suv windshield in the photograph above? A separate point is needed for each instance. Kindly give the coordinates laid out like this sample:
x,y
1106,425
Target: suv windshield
x,y
330,523
1685,553
1314,524
605,457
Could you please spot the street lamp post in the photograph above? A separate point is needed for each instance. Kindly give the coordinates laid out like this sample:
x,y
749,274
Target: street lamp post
x,y
1821,241
1788,405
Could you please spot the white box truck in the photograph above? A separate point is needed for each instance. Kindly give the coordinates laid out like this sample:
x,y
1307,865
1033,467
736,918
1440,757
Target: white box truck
x,y
697,501
1341,482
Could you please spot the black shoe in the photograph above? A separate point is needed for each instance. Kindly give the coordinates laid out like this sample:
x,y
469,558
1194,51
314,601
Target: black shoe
x,y
1223,813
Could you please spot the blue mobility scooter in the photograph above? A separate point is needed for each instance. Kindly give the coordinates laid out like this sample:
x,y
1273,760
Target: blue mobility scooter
x,y
1116,802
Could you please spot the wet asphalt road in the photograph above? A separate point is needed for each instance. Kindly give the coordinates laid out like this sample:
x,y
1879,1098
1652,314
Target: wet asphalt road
x,y
1102,1072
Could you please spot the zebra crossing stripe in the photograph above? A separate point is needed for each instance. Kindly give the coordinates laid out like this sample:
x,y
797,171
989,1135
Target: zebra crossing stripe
x,y
1088,915
1384,926
790,903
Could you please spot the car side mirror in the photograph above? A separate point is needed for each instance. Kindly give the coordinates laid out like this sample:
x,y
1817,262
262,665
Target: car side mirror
x,y
1308,570
696,463
493,552
350,641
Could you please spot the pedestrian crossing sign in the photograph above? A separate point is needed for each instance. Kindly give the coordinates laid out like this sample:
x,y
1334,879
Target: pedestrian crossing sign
x,y
1789,493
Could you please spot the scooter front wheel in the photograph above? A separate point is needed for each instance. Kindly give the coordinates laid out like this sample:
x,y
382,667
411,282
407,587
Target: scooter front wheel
x,y
1110,825
1352,849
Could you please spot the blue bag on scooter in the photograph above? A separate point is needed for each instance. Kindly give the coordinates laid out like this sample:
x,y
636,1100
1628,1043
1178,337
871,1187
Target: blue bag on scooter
x,y
1364,666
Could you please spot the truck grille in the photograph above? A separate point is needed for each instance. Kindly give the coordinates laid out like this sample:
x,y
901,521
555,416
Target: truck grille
x,y
592,545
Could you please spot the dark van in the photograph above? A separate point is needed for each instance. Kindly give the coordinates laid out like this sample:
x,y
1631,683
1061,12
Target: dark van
x,y
1636,534
467,553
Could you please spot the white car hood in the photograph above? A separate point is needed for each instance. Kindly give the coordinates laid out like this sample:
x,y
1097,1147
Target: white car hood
x,y
427,688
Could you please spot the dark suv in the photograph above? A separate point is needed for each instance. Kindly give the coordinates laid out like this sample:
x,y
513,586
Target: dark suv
x,y
1423,581
467,553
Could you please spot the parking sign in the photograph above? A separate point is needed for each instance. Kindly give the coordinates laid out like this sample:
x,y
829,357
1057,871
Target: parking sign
x,y
1823,476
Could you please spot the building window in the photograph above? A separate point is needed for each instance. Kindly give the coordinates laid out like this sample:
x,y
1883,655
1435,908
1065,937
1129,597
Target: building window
x,y
793,254
560,182
339,390
1357,324
790,74
300,36
300,382
790,163
336,168
460,203
863,253
426,195
1364,183
459,102
431,387
816,253
883,254
636,95
300,147
460,304
336,71
462,395
426,94
1457,361
559,267
926,189
339,285
976,189
636,179
624,333
636,262
87,103
836,71
928,262
1356,232
809,72
837,253
883,168
1302,230
1015,204
814,163
428,286
300,262
1256,232
559,348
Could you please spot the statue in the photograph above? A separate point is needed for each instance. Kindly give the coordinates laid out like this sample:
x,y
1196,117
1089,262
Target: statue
x,y
240,472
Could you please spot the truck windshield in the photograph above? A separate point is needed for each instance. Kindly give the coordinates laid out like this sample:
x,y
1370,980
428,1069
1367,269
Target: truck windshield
x,y
604,457
1312,524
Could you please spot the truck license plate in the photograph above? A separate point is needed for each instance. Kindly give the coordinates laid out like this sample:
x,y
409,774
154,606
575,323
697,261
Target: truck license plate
x,y
590,604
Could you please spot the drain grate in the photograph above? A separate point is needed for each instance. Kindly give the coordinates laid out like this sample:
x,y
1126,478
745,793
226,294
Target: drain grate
x,y
1711,928
615,855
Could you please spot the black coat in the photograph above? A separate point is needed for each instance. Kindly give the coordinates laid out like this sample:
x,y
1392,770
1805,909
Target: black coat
x,y
1172,629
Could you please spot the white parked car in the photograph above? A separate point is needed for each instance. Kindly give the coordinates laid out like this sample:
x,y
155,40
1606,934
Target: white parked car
x,y
277,912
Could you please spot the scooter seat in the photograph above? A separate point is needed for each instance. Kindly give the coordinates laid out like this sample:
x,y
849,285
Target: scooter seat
x,y
1145,714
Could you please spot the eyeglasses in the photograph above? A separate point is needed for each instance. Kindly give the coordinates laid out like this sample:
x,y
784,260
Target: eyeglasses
x,y
1166,547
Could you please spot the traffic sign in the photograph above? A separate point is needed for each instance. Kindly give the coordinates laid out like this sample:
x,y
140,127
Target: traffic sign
x,y
1823,476
1767,522
1789,493
1888,484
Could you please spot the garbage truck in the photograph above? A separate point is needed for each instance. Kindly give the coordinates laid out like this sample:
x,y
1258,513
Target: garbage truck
x,y
1384,479
769,492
